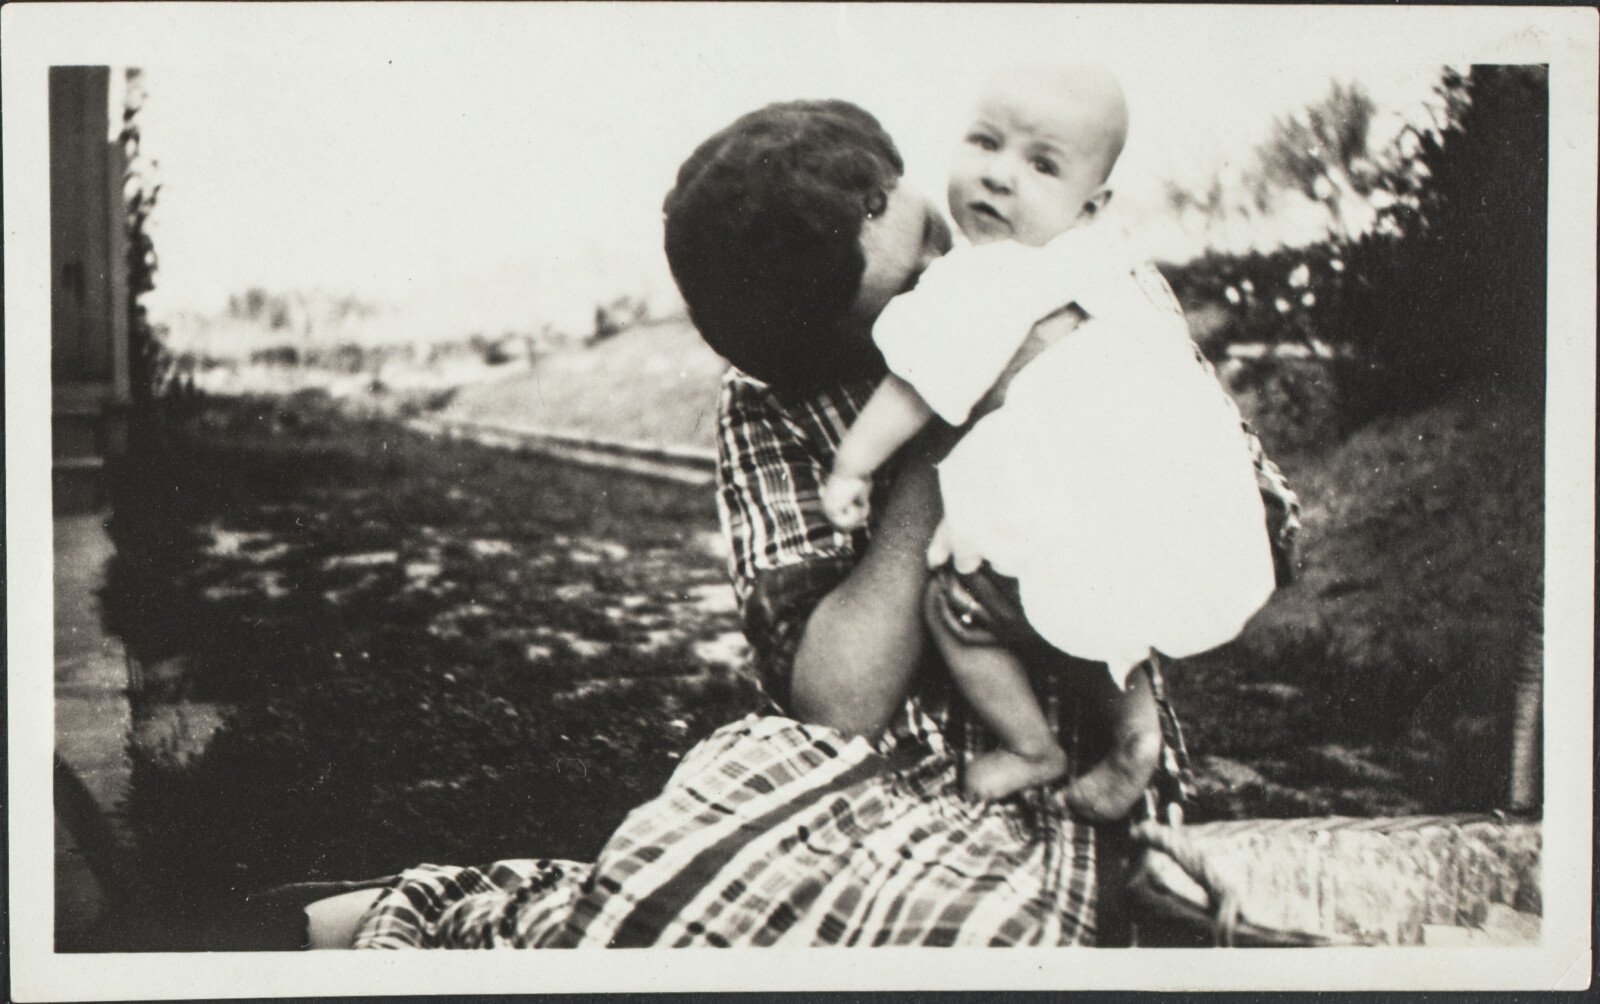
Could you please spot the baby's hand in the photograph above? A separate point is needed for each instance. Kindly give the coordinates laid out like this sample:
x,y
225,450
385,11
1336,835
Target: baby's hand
x,y
846,500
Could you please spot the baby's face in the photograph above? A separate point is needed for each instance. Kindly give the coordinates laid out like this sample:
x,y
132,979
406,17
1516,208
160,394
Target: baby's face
x,y
1031,164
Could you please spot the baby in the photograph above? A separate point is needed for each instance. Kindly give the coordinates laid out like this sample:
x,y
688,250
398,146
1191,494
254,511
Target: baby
x,y
1115,484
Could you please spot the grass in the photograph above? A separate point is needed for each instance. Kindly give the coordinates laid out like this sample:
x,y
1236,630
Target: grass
x,y
432,652
1379,682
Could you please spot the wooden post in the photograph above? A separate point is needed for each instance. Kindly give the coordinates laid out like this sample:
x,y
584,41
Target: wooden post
x,y
89,288
1526,794
120,396
79,237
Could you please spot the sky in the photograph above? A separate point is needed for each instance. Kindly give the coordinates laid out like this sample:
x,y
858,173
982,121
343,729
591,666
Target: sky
x,y
457,156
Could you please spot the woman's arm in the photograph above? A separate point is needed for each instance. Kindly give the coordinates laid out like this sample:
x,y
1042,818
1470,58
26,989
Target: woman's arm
x,y
863,640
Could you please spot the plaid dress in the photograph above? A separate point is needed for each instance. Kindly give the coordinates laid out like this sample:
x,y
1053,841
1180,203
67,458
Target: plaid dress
x,y
772,832
776,833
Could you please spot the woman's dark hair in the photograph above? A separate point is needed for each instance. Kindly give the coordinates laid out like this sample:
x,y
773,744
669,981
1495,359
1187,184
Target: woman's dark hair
x,y
763,234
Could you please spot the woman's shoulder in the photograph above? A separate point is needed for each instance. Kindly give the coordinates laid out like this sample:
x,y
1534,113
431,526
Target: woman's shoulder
x,y
825,411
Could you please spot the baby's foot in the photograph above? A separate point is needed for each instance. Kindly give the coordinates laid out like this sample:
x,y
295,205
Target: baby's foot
x,y
999,773
1109,789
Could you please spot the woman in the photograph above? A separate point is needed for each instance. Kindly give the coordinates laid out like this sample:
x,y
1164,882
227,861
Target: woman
x,y
838,818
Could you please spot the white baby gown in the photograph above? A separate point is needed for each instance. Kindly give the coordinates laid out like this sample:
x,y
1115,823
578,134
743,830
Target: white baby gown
x,y
1115,483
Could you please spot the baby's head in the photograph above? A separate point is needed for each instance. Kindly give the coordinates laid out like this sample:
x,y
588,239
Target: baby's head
x,y
1034,161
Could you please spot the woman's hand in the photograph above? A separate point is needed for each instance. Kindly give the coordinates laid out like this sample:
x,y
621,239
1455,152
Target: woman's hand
x,y
952,547
978,610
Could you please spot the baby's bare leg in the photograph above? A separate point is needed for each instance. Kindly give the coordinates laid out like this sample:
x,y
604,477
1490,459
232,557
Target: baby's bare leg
x,y
1110,788
995,683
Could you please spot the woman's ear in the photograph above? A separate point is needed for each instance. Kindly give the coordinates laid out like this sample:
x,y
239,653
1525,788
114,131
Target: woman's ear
x,y
1095,203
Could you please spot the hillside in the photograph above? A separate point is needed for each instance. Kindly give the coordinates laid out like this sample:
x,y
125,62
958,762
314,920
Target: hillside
x,y
1391,657
653,383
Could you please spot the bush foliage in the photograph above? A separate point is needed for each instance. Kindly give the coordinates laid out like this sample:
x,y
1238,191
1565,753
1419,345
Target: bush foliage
x,y
1446,288
149,363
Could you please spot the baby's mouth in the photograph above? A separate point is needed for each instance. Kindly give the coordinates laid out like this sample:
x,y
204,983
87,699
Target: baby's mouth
x,y
984,209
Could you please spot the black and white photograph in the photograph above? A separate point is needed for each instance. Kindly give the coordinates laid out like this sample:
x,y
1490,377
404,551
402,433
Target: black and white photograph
x,y
534,476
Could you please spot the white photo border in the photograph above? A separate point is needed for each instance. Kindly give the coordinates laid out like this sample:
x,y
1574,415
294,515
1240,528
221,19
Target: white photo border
x,y
36,36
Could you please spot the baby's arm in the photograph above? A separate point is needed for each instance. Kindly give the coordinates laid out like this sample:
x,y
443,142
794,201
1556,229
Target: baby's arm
x,y
891,418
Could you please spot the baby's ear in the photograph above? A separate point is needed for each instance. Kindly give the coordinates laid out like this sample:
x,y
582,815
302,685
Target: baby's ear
x,y
1096,202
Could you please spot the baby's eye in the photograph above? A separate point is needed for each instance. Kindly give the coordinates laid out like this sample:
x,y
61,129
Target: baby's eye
x,y
1045,165
983,141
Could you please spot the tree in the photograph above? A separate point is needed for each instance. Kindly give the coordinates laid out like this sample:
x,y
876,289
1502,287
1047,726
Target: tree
x,y
149,364
1442,283
1452,291
1322,153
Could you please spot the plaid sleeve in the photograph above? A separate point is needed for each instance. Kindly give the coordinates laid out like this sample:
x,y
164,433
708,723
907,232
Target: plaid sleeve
x,y
770,467
784,555
1283,508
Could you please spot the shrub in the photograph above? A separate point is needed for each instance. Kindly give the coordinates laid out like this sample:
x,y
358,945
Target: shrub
x,y
155,381
276,355
1446,289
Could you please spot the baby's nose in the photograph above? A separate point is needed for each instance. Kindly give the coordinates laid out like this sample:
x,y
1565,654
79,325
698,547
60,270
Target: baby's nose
x,y
997,176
